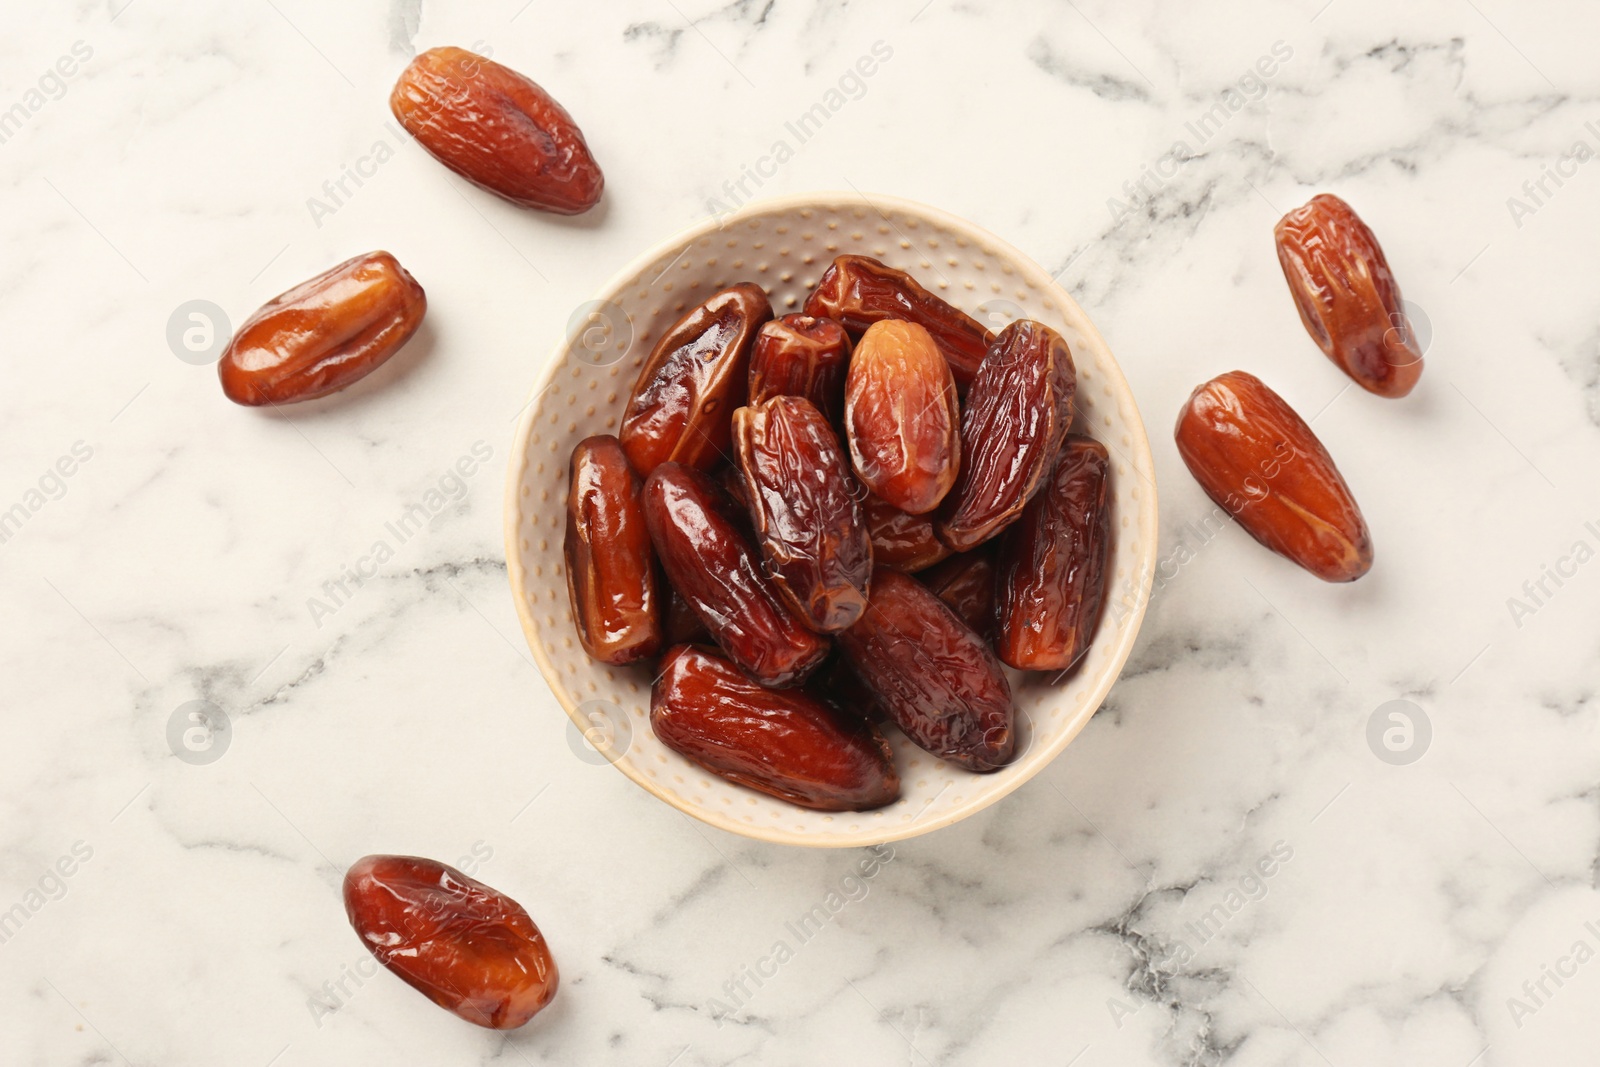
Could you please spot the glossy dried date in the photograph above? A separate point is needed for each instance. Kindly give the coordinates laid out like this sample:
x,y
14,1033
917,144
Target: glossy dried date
x,y
498,130
804,510
860,290
466,947
905,542
785,744
934,676
611,572
323,334
1051,579
1347,296
698,539
966,583
901,417
697,374
798,355
1261,463
1015,417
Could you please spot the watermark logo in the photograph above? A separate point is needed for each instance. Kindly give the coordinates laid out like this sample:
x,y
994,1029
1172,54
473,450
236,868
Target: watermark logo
x,y
605,736
198,332
199,732
599,333
1399,732
997,313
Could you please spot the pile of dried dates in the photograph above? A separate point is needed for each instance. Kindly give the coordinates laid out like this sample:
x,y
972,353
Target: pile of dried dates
x,y
816,523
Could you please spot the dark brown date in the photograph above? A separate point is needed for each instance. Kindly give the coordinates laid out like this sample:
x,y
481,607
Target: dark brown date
x,y
785,744
901,417
860,290
696,375
1051,580
708,559
498,130
804,510
323,334
904,542
934,676
468,948
798,355
1347,296
966,583
1016,414
611,571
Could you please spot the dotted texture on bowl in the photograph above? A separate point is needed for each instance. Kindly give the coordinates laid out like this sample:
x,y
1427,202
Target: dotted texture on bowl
x,y
784,246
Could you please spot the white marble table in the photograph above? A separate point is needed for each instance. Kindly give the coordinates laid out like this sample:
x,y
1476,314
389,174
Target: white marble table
x,y
159,910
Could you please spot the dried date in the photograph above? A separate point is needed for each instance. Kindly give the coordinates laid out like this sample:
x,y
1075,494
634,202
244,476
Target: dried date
x,y
706,555
1015,417
937,679
1051,579
804,510
1347,296
905,542
1261,463
798,355
697,374
498,130
782,743
860,290
966,583
611,572
901,417
468,948
323,334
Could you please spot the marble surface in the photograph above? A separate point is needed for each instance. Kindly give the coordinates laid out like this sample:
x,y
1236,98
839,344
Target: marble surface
x,y
1223,868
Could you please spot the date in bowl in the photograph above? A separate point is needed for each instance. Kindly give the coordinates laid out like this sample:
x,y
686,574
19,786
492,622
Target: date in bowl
x,y
784,245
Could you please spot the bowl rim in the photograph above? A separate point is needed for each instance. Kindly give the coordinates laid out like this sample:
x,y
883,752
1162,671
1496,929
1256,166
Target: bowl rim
x,y
1140,457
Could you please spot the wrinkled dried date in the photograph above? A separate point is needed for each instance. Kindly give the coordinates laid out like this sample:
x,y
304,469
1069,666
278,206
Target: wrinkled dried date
x,y
697,374
466,947
1347,296
498,130
798,355
905,542
1015,416
611,573
1051,578
934,676
860,290
323,334
785,744
1261,463
698,539
803,509
966,583
901,417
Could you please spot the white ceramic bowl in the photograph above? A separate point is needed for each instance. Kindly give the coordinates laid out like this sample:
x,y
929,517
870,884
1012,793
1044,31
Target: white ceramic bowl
x,y
784,245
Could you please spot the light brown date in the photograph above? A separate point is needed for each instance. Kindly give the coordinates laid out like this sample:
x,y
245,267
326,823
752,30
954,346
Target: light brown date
x,y
1347,296
782,743
468,948
798,355
804,510
498,130
323,334
937,679
1261,463
901,417
1051,579
860,290
611,570
905,542
1015,417
703,548
697,374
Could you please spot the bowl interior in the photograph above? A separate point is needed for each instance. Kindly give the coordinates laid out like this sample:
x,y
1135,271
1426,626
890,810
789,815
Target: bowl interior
x,y
785,245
